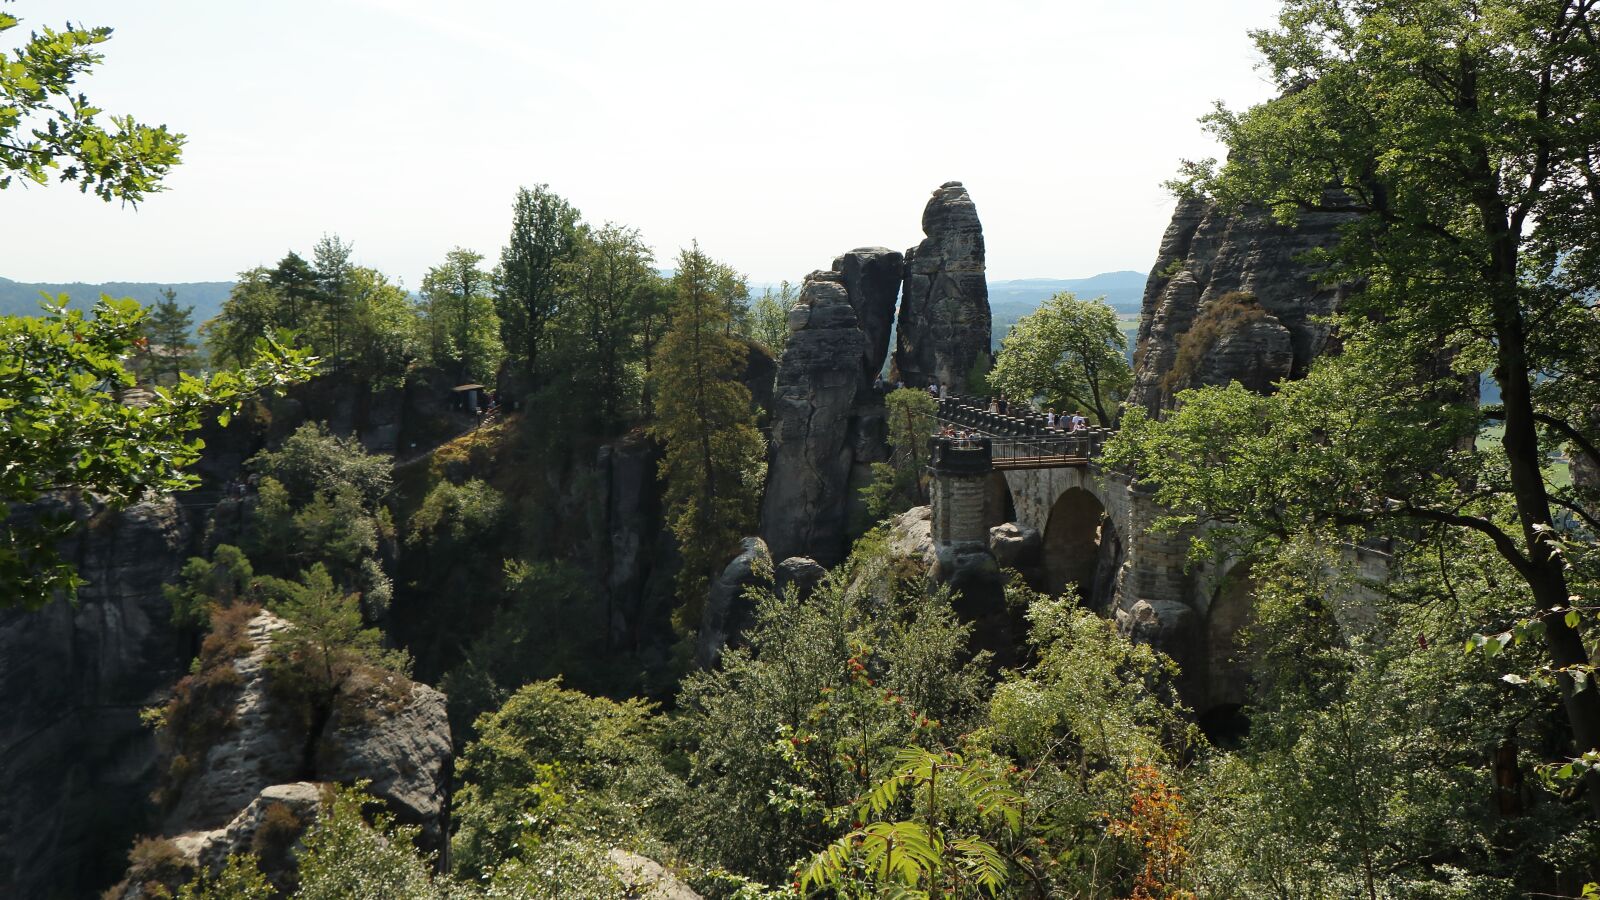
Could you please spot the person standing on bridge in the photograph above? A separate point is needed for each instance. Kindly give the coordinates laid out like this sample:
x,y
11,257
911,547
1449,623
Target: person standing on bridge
x,y
1050,419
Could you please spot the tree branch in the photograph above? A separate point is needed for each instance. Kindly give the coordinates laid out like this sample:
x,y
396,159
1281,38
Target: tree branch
x,y
1567,430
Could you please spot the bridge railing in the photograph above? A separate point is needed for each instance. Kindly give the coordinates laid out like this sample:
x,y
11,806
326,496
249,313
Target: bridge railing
x,y
1021,436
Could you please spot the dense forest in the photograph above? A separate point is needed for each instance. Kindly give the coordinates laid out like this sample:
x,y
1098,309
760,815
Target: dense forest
x,y
583,573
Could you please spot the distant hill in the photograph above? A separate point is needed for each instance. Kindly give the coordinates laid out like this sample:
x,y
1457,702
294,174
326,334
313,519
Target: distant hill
x,y
1011,300
19,298
1124,291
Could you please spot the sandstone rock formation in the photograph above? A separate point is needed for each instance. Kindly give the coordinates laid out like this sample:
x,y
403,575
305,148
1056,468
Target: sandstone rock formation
x,y
647,879
76,765
828,420
802,573
1015,545
727,611
383,728
637,556
944,310
1231,299
871,276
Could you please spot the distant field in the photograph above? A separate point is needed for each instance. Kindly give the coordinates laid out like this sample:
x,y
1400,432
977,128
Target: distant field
x,y
1559,474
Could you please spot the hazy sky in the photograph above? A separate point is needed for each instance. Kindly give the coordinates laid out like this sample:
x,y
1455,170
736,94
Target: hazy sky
x,y
778,134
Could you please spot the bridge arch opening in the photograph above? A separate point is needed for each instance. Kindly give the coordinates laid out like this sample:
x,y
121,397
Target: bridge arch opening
x,y
1072,543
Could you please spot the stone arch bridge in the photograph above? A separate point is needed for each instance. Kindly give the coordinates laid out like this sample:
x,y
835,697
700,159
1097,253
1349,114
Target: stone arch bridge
x,y
1039,499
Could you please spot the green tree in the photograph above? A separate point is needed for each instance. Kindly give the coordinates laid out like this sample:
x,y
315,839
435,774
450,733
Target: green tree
x,y
810,713
313,460
1461,130
714,454
382,335
655,314
168,330
769,318
609,279
331,262
548,759
64,427
733,288
255,309
326,649
1069,352
546,232
897,485
224,579
344,857
299,292
44,124
462,325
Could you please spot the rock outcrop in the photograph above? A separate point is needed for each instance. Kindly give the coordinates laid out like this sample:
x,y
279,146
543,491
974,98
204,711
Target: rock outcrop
x,y
944,310
802,573
828,418
637,555
76,764
728,609
1230,298
647,879
383,728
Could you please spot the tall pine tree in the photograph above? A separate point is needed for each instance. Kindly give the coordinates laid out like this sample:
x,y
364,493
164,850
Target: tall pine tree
x,y
168,328
714,454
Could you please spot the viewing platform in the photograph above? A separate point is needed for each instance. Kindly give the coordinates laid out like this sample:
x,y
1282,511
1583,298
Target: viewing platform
x,y
1018,440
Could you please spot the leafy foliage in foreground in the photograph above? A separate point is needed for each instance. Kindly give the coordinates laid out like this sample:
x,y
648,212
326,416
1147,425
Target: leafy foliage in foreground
x,y
63,426
44,124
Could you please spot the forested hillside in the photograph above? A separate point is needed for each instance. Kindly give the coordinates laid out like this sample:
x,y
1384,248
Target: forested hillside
x,y
587,571
23,298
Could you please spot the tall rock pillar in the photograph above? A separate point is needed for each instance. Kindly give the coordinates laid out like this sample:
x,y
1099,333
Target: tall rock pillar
x,y
944,311
827,419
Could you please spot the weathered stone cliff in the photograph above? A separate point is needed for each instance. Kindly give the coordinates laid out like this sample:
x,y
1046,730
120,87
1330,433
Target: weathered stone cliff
x,y
383,728
1231,299
76,765
944,310
827,419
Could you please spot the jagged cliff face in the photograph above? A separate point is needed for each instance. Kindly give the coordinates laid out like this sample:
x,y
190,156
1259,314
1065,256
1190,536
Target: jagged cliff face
x,y
944,311
383,728
827,420
76,765
1229,299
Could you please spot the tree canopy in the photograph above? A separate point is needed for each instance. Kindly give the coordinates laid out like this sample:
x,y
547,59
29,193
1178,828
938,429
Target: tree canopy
x,y
1464,133
64,426
1070,352
714,454
45,127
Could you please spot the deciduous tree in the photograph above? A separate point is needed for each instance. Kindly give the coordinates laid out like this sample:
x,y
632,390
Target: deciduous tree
x,y
1069,352
1464,133
545,237
47,128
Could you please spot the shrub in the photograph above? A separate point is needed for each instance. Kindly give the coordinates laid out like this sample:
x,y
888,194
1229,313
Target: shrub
x,y
551,758
156,866
240,879
1228,314
201,707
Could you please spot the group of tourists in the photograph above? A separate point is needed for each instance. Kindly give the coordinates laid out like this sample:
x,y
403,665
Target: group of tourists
x,y
1074,422
963,437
